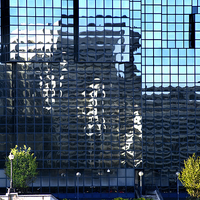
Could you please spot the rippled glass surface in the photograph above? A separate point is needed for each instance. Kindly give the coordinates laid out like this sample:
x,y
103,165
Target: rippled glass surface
x,y
75,73
96,33
75,88
170,89
98,19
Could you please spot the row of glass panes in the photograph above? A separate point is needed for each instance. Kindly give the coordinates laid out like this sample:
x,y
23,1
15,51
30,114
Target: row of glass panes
x,y
104,4
171,52
169,44
117,12
169,70
166,18
171,10
23,21
171,2
82,12
166,34
172,19
170,27
95,72
171,61
43,30
170,78
41,3
169,36
174,69
101,21
36,12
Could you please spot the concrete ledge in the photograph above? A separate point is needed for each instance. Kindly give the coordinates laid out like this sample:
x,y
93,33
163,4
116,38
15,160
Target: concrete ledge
x,y
15,196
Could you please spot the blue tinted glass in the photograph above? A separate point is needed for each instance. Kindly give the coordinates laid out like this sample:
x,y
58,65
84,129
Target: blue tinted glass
x,y
179,35
31,3
116,4
13,21
82,4
174,61
157,26
164,9
13,11
149,9
108,4
179,18
171,18
171,9
48,3
179,2
171,2
157,52
157,1
22,3
31,20
57,3
99,3
187,9
165,52
190,52
179,9
125,4
22,11
149,1
157,9
57,12
48,12
13,2
149,17
39,3
179,27
194,9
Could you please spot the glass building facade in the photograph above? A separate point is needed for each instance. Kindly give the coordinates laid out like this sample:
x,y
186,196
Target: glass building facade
x,y
106,88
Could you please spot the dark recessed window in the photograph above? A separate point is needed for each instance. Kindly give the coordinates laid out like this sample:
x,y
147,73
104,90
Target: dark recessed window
x,y
191,31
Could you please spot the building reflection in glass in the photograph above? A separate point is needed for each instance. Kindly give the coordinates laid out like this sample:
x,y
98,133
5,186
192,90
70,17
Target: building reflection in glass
x,y
76,91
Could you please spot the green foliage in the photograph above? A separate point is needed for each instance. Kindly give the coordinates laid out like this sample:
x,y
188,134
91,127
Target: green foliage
x,y
190,176
24,167
119,198
192,198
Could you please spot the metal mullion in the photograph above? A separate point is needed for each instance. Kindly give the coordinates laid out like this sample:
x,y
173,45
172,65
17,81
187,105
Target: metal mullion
x,y
76,30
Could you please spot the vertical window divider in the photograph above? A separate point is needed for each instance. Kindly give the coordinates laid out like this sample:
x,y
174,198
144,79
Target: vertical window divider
x,y
76,29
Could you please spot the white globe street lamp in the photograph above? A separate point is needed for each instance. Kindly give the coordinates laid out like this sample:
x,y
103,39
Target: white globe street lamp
x,y
141,173
177,174
78,175
11,157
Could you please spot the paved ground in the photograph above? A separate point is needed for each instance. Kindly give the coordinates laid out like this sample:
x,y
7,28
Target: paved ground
x,y
151,195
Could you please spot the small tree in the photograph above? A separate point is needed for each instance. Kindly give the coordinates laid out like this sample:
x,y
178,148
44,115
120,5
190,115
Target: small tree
x,y
190,176
24,167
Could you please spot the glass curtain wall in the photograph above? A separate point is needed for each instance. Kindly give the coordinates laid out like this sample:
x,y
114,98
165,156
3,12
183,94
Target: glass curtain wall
x,y
170,88
71,90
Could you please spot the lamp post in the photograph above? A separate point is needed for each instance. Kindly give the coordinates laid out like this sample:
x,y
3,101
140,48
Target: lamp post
x,y
141,173
177,174
108,171
78,175
11,157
